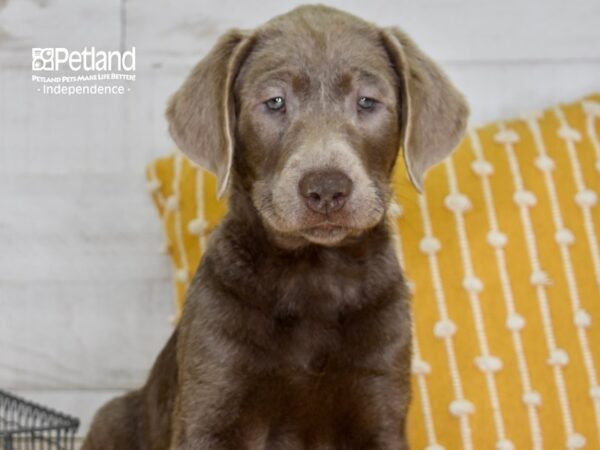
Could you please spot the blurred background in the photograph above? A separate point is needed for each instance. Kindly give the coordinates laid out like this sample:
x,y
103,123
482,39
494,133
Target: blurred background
x,y
85,294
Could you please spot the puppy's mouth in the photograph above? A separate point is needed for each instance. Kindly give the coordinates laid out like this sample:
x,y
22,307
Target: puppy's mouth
x,y
326,233
325,227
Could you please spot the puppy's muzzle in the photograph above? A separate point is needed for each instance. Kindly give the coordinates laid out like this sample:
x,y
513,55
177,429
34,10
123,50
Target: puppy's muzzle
x,y
325,191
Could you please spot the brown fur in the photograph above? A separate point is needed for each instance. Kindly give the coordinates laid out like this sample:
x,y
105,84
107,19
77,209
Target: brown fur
x,y
296,329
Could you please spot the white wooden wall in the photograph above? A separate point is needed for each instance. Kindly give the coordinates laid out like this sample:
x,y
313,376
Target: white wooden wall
x,y
84,295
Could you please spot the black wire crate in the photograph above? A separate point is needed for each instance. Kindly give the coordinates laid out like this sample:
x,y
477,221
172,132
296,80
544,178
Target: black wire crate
x,y
26,425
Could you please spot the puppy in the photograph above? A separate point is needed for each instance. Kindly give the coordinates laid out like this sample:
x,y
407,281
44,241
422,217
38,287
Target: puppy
x,y
296,329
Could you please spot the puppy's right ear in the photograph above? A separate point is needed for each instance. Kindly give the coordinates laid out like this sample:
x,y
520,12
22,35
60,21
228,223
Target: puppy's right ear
x,y
201,113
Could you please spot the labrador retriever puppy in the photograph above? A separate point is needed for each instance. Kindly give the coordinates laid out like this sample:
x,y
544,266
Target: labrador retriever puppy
x,y
296,332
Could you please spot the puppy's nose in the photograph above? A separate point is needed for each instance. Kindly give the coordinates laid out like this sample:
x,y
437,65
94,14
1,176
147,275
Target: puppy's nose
x,y
325,191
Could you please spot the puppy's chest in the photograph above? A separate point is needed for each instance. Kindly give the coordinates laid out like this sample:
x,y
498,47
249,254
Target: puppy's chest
x,y
320,293
309,317
305,344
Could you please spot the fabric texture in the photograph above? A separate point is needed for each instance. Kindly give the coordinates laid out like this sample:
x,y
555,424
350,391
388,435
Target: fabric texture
x,y
503,259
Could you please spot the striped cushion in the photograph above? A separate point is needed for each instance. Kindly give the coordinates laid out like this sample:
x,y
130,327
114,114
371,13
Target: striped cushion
x,y
503,258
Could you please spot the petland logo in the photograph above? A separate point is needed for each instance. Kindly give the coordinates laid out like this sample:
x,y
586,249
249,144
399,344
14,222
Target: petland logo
x,y
85,72
89,59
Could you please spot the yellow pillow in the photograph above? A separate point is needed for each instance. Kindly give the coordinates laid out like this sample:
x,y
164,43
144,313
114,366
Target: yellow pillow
x,y
503,258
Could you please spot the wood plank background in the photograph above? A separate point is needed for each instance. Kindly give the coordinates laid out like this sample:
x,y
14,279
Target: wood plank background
x,y
85,297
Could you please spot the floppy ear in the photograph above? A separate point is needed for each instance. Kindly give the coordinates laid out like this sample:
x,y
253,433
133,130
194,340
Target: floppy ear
x,y
201,113
433,112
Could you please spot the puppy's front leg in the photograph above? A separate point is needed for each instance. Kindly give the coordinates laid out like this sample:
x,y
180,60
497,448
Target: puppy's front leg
x,y
206,416
373,424
211,441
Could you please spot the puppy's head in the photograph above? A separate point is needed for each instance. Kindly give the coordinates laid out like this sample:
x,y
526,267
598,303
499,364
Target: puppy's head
x,y
307,114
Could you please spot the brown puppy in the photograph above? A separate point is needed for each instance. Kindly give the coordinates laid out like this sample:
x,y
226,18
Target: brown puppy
x,y
296,329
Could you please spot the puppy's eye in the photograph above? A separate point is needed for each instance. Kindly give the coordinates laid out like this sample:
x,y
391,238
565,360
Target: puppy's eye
x,y
366,103
275,103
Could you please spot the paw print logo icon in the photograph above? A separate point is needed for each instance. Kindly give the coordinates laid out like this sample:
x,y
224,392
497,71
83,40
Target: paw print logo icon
x,y
42,59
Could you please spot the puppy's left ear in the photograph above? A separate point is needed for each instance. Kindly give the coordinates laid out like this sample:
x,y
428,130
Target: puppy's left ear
x,y
201,113
433,112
